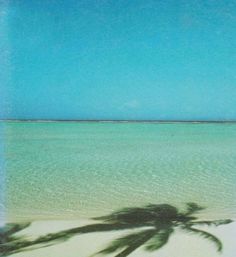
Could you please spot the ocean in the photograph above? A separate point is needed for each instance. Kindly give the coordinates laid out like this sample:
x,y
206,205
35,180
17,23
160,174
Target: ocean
x,y
74,170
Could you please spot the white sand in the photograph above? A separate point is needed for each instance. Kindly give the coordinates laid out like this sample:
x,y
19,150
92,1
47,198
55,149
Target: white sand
x,y
180,244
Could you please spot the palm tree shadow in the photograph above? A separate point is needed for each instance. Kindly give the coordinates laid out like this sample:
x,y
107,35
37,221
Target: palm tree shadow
x,y
153,225
160,221
11,242
9,238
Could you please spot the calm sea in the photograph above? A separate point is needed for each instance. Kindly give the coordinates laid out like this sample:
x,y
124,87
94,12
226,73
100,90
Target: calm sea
x,y
68,170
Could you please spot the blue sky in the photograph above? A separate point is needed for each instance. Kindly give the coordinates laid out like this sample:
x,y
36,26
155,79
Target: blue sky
x,y
123,59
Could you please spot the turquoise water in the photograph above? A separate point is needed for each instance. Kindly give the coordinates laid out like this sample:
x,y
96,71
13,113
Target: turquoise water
x,y
77,170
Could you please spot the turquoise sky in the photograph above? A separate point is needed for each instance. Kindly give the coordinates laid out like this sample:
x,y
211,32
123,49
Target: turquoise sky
x,y
123,59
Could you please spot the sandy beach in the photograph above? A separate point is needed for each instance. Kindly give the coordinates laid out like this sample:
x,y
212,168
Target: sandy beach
x,y
180,244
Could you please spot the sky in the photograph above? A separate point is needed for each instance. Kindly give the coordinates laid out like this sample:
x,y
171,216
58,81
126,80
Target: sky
x,y
123,59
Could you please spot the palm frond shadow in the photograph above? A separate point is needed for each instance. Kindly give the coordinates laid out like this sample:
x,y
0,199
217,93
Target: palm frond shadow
x,y
155,224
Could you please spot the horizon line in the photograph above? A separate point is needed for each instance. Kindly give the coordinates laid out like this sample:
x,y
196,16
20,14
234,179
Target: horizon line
x,y
119,120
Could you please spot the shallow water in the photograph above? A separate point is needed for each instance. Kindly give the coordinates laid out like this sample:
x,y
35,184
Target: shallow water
x,y
78,170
